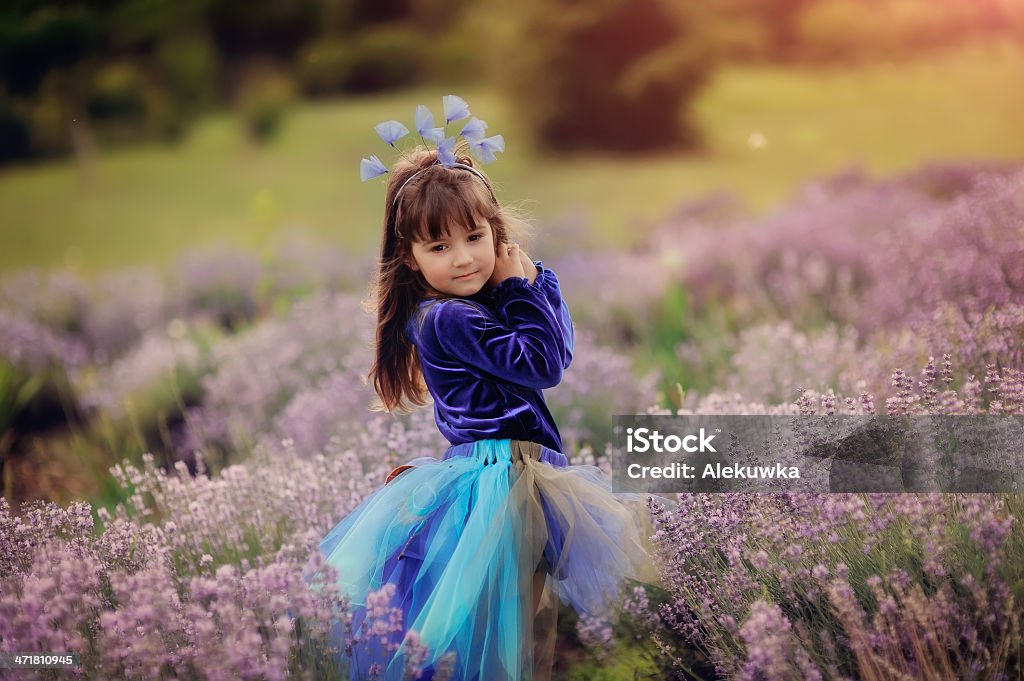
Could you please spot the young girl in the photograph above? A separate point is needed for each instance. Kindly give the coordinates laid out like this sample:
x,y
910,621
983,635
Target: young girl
x,y
477,542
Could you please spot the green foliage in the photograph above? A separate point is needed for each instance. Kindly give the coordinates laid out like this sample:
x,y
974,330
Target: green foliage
x,y
118,91
626,665
66,63
323,66
270,28
814,122
189,65
383,58
32,401
15,131
34,43
144,421
121,102
47,118
606,75
386,58
135,100
263,99
454,59
685,345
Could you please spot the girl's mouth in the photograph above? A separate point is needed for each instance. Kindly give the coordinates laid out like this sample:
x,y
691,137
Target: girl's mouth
x,y
465,276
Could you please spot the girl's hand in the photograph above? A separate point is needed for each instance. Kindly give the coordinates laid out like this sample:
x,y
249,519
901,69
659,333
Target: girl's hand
x,y
528,267
507,263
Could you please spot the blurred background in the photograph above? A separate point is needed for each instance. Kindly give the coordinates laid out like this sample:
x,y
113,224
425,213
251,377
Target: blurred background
x,y
178,185
132,129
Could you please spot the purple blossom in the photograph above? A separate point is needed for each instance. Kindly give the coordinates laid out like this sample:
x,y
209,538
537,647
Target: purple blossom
x,y
124,306
485,148
259,371
26,342
474,129
446,152
596,634
159,364
600,381
370,168
218,283
391,131
455,107
123,601
425,125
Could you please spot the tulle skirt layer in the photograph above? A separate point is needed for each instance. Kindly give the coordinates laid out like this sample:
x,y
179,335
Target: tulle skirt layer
x,y
463,538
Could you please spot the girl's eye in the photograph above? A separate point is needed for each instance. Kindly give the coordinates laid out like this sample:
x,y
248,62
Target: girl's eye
x,y
437,248
475,237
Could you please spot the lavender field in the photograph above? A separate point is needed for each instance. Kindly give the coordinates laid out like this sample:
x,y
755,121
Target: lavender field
x,y
176,443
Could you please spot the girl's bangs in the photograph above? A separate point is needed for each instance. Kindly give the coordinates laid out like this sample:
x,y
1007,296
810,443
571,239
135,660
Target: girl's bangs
x,y
441,209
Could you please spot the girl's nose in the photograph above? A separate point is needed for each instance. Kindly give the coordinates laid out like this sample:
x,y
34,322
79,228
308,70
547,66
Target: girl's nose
x,y
462,256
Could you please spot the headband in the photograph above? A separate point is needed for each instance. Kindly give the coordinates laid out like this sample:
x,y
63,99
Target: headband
x,y
460,166
455,108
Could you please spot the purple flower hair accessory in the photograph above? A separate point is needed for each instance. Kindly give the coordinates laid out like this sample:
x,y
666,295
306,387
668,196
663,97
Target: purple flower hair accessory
x,y
370,168
391,131
486,147
455,109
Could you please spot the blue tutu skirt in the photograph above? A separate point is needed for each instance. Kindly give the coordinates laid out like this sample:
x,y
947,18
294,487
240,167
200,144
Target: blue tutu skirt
x,y
463,538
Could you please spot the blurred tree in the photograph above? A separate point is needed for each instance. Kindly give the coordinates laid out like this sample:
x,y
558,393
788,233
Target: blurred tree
x,y
367,47
40,44
610,74
244,28
379,11
62,61
264,96
437,16
189,64
14,131
322,67
386,57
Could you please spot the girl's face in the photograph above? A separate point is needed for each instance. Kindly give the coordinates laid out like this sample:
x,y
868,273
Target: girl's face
x,y
459,264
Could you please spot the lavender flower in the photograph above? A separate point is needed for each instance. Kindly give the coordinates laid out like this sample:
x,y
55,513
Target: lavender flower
x,y
218,283
596,634
259,371
28,343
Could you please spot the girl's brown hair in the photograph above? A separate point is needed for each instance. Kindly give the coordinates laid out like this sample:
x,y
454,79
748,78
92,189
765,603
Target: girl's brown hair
x,y
433,203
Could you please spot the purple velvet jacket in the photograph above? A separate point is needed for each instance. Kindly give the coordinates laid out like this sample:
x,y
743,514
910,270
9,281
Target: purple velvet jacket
x,y
486,359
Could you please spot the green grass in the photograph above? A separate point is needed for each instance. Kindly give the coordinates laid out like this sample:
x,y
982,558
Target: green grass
x,y
151,202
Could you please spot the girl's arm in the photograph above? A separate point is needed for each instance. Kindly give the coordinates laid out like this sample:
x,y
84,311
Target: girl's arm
x,y
546,280
548,283
509,259
526,347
